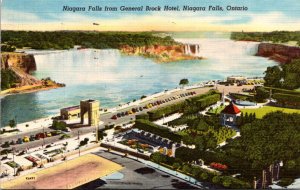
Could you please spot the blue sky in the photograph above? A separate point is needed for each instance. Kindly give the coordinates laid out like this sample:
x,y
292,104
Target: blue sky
x,y
262,15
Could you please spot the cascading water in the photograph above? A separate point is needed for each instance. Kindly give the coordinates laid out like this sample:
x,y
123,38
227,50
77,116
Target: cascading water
x,y
188,51
220,47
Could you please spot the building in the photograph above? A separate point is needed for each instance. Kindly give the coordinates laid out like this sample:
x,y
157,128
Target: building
x,y
91,108
229,115
87,109
235,79
68,113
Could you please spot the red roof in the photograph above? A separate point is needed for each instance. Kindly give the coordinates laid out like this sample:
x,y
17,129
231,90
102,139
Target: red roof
x,y
231,109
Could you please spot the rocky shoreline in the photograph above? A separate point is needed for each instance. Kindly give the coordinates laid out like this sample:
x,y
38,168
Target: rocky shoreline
x,y
277,52
160,53
21,65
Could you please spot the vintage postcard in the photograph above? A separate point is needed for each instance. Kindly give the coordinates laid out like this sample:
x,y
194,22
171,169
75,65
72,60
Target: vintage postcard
x,y
150,94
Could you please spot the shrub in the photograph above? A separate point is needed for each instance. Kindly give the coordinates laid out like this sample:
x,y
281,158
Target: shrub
x,y
167,110
187,154
142,116
287,99
156,129
284,182
59,125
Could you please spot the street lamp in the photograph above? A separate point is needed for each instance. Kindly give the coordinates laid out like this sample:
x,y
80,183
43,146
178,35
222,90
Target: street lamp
x,y
43,136
78,143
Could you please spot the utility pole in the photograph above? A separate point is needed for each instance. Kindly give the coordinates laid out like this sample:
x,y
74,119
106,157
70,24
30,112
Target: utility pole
x,y
78,143
14,161
97,135
43,136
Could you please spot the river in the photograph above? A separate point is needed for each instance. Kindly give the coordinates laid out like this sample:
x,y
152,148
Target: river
x,y
112,78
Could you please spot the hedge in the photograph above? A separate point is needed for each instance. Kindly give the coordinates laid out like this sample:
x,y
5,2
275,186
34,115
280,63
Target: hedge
x,y
287,99
201,96
157,130
282,91
207,101
142,116
167,110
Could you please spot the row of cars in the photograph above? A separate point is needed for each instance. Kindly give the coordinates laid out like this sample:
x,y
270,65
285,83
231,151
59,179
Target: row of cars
x,y
152,104
37,136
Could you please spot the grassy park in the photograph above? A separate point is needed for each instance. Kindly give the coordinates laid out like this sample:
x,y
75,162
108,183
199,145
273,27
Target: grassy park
x,y
217,110
260,112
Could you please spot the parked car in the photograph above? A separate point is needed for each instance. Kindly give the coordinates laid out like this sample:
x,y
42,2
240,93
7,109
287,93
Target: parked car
x,y
19,141
32,138
12,142
118,114
114,117
48,134
39,136
26,139
141,109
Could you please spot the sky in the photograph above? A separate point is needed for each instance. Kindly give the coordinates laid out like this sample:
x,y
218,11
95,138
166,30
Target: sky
x,y
262,15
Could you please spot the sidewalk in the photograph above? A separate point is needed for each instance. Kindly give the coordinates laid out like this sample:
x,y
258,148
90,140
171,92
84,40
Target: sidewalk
x,y
28,126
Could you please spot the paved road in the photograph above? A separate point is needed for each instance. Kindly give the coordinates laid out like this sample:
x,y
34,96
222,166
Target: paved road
x,y
106,118
134,178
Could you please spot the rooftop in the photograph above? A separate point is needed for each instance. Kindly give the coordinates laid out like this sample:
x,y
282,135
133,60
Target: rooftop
x,y
231,109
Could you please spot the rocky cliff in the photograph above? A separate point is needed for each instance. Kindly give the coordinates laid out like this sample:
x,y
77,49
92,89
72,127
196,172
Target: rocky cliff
x,y
21,64
277,52
159,53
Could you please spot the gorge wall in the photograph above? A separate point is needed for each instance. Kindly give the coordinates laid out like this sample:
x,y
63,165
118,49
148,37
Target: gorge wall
x,y
21,64
281,53
160,53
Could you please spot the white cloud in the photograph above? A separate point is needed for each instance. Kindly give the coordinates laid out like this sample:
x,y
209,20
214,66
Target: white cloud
x,y
10,16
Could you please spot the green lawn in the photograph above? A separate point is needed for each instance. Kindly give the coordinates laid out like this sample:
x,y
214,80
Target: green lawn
x,y
260,112
217,110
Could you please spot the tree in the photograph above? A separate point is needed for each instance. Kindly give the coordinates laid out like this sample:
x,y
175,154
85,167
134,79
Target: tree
x,y
261,94
176,165
59,125
216,179
273,76
184,82
186,168
204,176
291,74
226,182
158,157
12,123
265,144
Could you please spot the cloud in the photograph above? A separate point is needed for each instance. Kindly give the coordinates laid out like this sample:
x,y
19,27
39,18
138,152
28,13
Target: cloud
x,y
11,16
162,21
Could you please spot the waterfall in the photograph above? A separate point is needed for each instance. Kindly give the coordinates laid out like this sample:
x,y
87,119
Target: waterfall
x,y
223,48
187,49
252,48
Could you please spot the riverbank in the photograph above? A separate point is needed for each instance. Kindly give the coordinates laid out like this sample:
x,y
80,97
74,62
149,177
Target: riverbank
x,y
16,75
29,89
